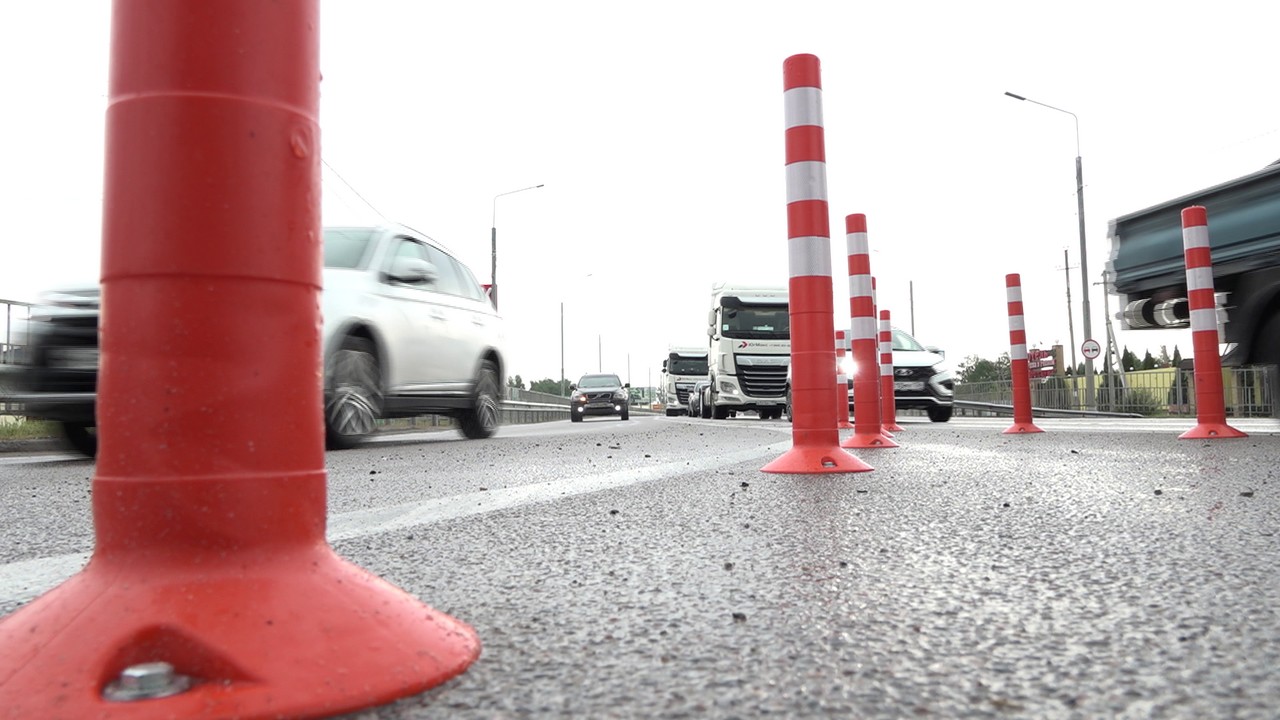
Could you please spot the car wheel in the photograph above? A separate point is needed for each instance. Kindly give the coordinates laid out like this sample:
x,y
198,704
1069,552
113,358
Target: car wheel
x,y
573,416
481,420
704,409
626,413
82,437
939,414
354,393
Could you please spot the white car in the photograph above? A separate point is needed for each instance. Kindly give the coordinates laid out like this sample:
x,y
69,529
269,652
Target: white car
x,y
407,331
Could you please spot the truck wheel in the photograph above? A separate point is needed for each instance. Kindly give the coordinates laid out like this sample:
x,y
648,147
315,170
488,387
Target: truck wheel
x,y
354,385
82,437
481,420
719,412
939,414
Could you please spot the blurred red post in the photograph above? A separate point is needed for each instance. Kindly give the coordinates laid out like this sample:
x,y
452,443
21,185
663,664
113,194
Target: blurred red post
x,y
1022,420
209,489
1211,409
815,440
867,429
888,396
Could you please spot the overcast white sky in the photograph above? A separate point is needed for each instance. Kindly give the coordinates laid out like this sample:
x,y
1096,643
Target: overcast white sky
x,y
656,129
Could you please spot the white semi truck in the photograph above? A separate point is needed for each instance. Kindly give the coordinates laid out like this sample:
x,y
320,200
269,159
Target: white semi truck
x,y
750,351
681,370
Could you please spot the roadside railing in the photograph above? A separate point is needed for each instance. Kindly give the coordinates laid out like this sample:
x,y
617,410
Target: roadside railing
x,y
13,330
1163,392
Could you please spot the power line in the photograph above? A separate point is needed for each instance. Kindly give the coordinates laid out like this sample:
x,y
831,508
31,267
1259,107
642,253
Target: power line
x,y
357,192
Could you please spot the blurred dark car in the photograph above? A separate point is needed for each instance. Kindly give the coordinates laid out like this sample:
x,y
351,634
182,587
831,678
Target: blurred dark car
x,y
599,394
695,398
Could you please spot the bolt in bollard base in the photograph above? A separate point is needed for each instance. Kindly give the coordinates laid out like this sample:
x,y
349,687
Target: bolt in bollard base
x,y
1212,431
1022,428
869,440
283,629
812,459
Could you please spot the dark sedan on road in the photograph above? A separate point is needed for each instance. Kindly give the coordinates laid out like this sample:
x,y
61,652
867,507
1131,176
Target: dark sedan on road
x,y
599,394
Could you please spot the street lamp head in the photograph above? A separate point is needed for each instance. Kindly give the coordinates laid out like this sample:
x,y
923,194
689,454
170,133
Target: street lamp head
x,y
1015,97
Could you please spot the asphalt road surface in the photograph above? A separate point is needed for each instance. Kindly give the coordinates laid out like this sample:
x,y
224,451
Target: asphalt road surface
x,y
647,568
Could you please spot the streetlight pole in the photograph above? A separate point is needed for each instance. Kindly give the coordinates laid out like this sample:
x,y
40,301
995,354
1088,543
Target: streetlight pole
x,y
493,244
1084,255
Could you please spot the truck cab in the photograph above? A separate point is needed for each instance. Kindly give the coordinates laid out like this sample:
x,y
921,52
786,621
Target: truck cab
x,y
683,367
750,350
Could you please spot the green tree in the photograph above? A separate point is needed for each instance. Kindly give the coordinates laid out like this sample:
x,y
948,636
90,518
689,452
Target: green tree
x,y
549,386
1128,360
516,382
975,369
1163,361
1148,362
1177,357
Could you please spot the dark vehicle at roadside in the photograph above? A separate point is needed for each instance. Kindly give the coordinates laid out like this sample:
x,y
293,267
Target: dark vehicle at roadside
x,y
60,378
695,399
599,394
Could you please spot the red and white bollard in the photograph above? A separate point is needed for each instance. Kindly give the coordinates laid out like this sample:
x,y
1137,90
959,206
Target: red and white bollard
x,y
867,430
1022,422
842,384
815,439
1211,411
888,401
212,591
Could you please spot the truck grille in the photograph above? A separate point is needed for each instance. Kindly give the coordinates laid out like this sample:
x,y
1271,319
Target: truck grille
x,y
763,381
682,392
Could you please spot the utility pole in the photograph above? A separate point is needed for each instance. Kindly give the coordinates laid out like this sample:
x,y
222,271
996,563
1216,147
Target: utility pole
x,y
911,296
1071,327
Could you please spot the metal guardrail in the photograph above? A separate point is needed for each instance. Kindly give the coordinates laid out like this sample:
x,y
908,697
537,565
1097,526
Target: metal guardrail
x,y
999,409
1252,391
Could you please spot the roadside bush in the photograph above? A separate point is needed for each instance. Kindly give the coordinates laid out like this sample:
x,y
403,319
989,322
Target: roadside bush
x,y
1129,400
1052,392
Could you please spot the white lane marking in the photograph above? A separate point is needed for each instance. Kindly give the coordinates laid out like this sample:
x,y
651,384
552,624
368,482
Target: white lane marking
x,y
36,459
23,580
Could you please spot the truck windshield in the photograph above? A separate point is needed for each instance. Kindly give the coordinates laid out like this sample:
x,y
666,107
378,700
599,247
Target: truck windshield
x,y
678,365
760,322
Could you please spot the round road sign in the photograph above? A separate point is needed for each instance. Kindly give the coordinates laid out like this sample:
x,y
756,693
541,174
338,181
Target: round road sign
x,y
1091,349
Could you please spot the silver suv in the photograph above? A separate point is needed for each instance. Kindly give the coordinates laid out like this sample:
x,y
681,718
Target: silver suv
x,y
407,331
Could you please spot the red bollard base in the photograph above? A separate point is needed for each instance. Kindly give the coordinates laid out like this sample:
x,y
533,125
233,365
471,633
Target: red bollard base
x,y
1212,431
814,459
892,427
1022,428
295,632
869,440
